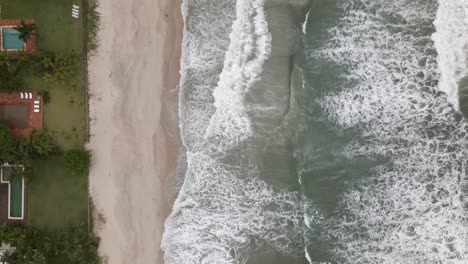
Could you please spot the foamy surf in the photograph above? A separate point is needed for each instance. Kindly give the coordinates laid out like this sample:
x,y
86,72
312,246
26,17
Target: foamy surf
x,y
224,211
451,42
411,209
347,155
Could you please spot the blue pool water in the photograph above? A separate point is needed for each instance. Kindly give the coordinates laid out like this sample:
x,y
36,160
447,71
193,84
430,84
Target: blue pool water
x,y
11,39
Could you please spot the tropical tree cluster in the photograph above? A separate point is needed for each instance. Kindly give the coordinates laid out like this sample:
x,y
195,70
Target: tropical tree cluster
x,y
49,66
38,144
57,68
7,144
73,245
11,65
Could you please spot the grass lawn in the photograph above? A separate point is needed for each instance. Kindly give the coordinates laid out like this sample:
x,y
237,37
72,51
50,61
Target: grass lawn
x,y
57,32
56,198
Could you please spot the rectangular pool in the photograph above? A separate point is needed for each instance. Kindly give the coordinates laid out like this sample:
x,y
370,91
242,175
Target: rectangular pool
x,y
15,191
16,199
16,116
11,39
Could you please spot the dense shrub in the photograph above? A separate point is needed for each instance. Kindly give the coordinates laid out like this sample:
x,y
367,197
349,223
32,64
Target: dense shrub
x,y
77,161
42,143
72,245
92,27
7,144
11,65
45,96
8,81
57,68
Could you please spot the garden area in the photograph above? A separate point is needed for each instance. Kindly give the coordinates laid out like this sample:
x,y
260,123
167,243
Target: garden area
x,y
56,68
55,160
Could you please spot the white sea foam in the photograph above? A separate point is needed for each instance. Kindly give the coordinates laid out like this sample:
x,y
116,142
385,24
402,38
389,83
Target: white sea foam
x,y
412,210
304,25
203,53
451,41
223,209
307,256
249,48
217,216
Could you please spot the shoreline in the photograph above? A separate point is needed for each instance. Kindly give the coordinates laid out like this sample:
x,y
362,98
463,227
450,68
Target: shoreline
x,y
134,126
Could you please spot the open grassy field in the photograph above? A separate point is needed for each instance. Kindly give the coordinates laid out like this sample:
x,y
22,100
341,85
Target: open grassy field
x,y
55,197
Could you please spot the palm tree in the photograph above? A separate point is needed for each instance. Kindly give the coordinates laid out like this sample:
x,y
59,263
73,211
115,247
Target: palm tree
x,y
23,151
26,30
42,143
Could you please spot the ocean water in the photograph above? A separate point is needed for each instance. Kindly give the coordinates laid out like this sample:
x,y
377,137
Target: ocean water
x,y
327,131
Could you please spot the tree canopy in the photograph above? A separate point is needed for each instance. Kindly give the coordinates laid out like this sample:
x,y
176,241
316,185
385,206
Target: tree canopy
x,y
73,245
26,30
7,144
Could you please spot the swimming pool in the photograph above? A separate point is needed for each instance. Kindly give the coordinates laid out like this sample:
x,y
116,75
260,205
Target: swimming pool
x,y
15,192
16,199
11,39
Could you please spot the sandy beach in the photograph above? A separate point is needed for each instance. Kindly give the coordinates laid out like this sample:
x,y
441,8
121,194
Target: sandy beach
x,y
133,96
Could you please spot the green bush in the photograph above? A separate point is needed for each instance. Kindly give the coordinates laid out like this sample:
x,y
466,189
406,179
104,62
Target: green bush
x,y
77,161
7,143
92,26
42,143
57,68
45,96
8,81
71,245
11,65
26,30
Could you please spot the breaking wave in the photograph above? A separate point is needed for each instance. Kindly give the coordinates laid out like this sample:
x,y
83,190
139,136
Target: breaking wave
x,y
224,210
451,42
400,65
412,210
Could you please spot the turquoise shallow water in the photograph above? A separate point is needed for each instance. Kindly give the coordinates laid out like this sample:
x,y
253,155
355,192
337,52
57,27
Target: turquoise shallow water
x,y
316,131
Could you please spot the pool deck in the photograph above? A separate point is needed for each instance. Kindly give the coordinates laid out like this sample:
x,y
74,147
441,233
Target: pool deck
x,y
35,120
4,193
30,43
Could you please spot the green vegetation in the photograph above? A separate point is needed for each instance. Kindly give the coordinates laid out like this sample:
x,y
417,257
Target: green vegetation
x,y
71,245
7,143
26,30
77,161
92,25
57,183
45,96
57,31
38,144
42,144
10,68
62,39
56,198
57,68
9,82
